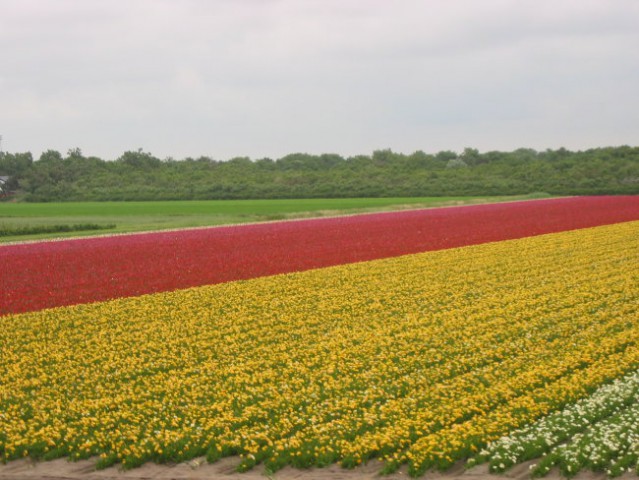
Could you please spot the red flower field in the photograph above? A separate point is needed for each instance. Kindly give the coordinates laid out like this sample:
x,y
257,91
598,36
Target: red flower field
x,y
49,274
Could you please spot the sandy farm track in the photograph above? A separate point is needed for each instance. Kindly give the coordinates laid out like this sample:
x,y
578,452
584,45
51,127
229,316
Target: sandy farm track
x,y
225,470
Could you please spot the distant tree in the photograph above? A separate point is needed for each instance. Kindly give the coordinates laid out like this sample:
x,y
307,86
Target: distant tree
x,y
456,163
295,161
420,160
50,156
74,153
138,175
470,156
240,161
265,163
445,156
139,159
329,160
383,157
15,164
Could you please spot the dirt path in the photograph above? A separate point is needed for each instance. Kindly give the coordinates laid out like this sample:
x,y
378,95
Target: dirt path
x,y
62,469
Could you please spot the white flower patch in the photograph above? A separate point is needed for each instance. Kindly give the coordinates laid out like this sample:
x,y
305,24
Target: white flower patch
x,y
600,432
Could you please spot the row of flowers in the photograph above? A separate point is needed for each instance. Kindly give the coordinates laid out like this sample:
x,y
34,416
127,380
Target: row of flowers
x,y
419,360
52,274
600,432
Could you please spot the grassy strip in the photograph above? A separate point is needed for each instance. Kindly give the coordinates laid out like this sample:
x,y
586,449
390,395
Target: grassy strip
x,y
13,231
162,215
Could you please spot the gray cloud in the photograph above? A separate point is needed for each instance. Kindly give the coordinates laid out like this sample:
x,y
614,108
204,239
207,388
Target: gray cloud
x,y
270,77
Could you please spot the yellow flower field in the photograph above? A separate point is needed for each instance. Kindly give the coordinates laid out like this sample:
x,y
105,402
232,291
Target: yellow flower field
x,y
420,359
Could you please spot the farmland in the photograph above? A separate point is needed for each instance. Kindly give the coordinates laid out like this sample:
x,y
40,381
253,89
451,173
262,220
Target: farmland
x,y
63,273
122,217
413,338
599,432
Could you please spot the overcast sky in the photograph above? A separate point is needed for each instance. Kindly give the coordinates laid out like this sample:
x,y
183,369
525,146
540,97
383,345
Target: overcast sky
x,y
263,78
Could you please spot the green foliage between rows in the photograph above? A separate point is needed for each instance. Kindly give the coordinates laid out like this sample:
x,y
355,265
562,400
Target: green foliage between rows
x,y
141,176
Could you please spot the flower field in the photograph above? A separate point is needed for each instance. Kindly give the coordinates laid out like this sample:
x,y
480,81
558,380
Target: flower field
x,y
52,274
600,432
418,360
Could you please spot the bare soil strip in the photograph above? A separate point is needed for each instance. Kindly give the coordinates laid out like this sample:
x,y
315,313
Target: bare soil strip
x,y
62,469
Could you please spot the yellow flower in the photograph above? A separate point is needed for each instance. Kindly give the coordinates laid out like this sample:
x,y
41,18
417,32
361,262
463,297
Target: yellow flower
x,y
413,359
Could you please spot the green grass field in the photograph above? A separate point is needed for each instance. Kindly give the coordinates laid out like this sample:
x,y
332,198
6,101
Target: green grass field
x,y
143,216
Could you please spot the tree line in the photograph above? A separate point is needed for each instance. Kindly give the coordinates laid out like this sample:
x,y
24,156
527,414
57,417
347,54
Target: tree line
x,y
139,175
